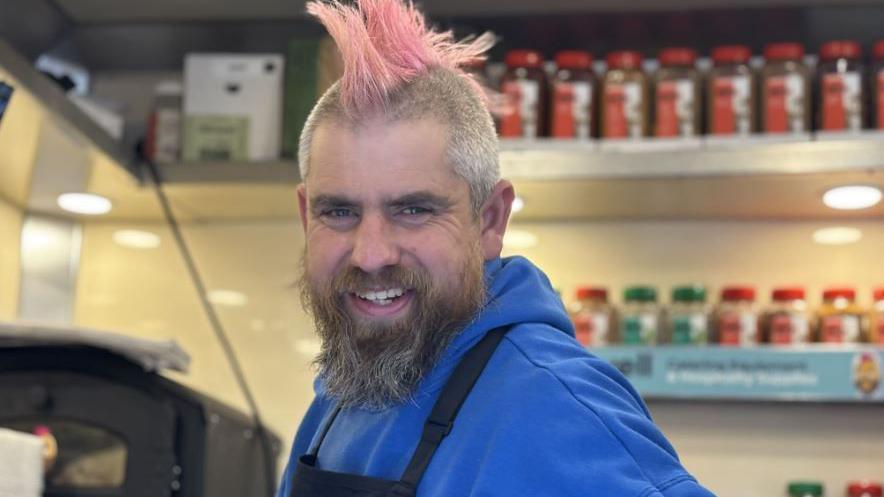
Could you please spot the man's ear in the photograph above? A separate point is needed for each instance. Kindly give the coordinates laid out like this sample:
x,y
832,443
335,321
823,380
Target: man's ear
x,y
302,205
494,215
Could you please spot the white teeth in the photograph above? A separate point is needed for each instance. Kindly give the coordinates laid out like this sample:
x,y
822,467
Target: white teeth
x,y
383,297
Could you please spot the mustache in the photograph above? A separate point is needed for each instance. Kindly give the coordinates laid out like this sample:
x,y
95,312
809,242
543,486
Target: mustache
x,y
353,279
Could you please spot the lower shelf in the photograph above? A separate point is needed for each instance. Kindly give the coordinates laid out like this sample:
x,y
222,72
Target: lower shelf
x,y
812,373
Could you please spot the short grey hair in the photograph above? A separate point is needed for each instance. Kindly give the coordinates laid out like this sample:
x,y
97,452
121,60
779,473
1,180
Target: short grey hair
x,y
440,94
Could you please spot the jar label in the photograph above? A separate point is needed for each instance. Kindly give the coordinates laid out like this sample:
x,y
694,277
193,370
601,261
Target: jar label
x,y
623,111
591,329
730,106
880,93
840,329
842,105
520,114
690,329
572,110
787,329
166,129
784,105
675,108
737,329
880,330
639,329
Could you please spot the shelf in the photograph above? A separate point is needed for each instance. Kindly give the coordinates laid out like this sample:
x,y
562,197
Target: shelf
x,y
58,106
812,373
226,173
758,178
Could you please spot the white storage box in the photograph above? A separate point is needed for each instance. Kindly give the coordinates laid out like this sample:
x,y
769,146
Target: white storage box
x,y
232,106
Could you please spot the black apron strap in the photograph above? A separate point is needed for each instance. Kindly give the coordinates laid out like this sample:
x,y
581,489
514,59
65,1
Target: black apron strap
x,y
441,419
325,429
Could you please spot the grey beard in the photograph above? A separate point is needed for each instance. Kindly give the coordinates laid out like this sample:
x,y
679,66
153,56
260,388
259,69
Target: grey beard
x,y
376,366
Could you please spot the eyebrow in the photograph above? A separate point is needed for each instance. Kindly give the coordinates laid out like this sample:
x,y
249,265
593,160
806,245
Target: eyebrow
x,y
422,198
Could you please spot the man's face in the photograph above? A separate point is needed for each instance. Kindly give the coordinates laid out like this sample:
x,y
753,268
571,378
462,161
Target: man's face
x,y
393,263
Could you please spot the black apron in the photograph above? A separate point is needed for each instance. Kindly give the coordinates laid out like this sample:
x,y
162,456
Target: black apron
x,y
310,481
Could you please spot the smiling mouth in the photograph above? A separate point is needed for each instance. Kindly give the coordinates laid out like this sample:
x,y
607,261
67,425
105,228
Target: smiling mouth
x,y
382,302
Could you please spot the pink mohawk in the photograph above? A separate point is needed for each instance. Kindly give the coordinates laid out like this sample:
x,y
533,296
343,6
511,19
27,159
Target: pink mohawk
x,y
385,43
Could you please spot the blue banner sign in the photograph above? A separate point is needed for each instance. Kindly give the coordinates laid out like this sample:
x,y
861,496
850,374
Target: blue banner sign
x,y
810,373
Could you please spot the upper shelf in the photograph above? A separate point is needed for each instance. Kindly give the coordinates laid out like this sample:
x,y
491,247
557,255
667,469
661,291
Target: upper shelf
x,y
56,103
759,178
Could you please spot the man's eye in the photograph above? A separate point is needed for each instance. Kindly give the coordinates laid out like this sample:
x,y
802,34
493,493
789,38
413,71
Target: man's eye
x,y
415,211
337,213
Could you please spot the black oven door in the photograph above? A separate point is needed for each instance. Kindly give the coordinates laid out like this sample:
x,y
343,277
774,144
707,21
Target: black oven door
x,y
114,440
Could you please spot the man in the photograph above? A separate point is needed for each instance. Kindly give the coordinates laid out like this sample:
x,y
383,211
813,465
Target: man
x,y
444,370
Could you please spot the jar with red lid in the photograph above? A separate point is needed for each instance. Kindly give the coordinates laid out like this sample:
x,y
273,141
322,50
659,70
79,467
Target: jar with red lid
x,y
573,96
624,97
736,319
677,94
785,90
731,92
877,84
876,334
787,320
593,317
841,93
524,87
864,489
841,320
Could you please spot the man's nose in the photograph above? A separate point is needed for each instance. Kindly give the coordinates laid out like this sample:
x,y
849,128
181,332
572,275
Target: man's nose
x,y
374,246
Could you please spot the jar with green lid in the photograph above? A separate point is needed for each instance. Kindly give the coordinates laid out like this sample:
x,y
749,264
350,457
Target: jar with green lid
x,y
805,489
689,316
640,323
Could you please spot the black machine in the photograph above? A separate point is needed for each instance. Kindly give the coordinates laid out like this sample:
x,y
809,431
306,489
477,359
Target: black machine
x,y
123,431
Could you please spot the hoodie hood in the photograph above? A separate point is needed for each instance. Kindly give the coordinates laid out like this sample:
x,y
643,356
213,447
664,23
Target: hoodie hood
x,y
518,293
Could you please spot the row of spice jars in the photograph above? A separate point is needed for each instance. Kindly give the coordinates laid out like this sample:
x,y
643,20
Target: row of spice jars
x,y
738,99
737,320
859,488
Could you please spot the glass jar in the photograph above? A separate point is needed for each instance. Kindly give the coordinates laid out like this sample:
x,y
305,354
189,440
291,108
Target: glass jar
x,y
689,316
787,320
524,87
736,319
840,318
877,86
863,489
163,139
841,95
677,94
785,90
640,316
593,317
731,92
805,489
625,97
573,96
876,334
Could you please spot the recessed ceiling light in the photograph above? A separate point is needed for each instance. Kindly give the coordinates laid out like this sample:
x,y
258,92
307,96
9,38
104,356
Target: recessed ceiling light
x,y
84,203
837,236
518,204
519,239
230,298
852,197
137,239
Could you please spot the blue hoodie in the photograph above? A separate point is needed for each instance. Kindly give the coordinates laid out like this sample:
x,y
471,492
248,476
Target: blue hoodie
x,y
546,418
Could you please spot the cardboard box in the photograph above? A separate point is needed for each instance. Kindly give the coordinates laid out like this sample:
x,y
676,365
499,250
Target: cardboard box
x,y
232,106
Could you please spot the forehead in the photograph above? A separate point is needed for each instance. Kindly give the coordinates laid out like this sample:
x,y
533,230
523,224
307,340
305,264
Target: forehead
x,y
381,158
